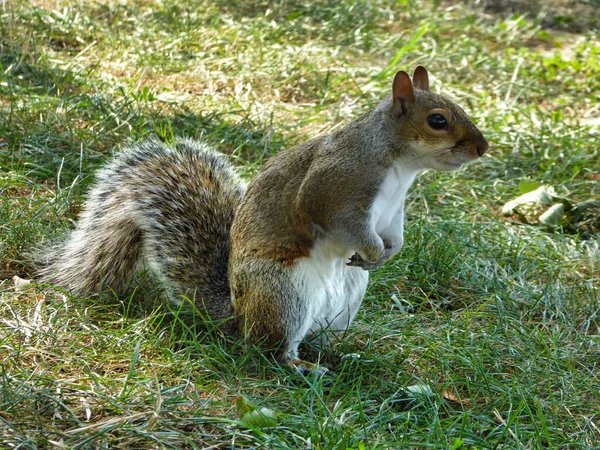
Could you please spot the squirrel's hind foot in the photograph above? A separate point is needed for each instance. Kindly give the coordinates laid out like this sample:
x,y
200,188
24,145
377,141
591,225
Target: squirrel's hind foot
x,y
306,368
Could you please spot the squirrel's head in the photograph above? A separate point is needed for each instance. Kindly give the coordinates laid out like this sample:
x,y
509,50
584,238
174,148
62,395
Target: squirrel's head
x,y
437,132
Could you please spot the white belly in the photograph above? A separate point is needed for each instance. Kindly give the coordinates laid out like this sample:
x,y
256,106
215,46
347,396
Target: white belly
x,y
334,290
389,201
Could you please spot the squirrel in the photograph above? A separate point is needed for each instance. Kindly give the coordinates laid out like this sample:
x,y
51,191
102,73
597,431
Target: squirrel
x,y
286,258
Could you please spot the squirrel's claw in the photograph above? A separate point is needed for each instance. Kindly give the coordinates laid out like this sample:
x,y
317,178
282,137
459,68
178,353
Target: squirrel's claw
x,y
357,261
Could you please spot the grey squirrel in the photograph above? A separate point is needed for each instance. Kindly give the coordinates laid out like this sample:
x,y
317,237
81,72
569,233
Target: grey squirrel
x,y
287,258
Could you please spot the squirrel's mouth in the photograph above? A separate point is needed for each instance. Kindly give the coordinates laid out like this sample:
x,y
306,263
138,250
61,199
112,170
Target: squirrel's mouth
x,y
462,155
455,158
452,165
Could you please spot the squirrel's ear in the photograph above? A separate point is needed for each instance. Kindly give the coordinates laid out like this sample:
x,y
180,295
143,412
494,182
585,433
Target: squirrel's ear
x,y
421,78
403,93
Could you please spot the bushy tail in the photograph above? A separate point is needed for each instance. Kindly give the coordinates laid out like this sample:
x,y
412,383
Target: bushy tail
x,y
97,256
169,207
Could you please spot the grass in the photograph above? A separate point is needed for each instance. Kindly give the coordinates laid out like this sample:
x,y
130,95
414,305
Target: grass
x,y
496,315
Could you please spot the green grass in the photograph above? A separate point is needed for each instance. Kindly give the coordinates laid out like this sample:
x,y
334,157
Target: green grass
x,y
500,318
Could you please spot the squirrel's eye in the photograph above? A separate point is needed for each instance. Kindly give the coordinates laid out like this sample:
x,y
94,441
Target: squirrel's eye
x,y
437,122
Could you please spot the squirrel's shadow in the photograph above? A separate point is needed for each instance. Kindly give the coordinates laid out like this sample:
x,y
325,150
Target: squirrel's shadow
x,y
56,145
188,328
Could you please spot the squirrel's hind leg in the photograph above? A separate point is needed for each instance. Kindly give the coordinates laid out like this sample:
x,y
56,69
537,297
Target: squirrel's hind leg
x,y
272,310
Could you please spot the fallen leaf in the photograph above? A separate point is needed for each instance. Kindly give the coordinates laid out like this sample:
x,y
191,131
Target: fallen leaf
x,y
526,186
255,417
452,397
419,390
458,443
553,215
260,418
544,195
21,284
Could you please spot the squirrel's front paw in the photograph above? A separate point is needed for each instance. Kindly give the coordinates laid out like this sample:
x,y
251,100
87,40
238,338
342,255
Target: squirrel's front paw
x,y
390,250
372,252
357,261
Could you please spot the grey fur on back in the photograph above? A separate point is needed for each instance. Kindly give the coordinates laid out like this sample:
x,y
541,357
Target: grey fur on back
x,y
168,207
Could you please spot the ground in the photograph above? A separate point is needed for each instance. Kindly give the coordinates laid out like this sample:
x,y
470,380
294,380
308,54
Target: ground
x,y
482,333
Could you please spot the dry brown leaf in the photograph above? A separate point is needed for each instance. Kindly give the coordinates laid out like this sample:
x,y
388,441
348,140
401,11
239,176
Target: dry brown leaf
x,y
452,397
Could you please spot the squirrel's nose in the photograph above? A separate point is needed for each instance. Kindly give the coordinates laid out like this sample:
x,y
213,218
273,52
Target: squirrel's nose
x,y
482,146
